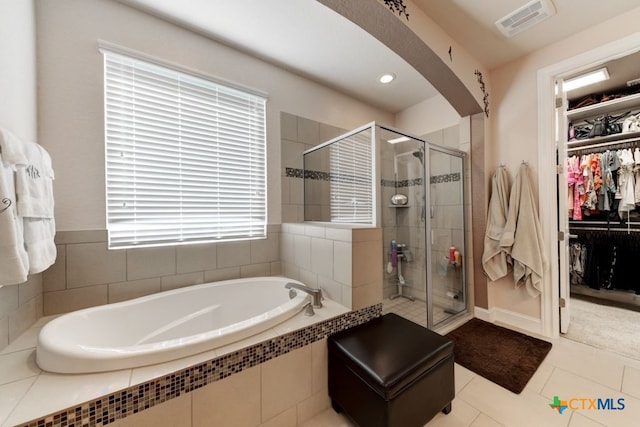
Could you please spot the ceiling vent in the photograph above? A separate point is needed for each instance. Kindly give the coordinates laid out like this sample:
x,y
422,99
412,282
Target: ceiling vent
x,y
525,17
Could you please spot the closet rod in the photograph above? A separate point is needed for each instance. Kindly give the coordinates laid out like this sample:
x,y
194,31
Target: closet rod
x,y
602,144
576,222
628,230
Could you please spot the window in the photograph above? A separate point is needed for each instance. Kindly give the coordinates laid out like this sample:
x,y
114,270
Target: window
x,y
185,157
350,179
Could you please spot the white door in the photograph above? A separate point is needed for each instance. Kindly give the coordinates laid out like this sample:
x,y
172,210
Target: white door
x,y
562,128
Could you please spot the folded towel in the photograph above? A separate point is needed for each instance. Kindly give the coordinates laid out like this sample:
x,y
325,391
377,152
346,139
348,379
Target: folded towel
x,y
522,236
34,186
14,263
39,242
12,149
26,209
495,260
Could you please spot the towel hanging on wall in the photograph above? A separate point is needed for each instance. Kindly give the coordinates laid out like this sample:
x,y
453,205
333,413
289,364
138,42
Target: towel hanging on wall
x,y
522,236
495,260
26,198
14,263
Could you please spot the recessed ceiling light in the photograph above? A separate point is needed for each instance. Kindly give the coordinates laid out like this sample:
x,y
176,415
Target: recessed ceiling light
x,y
386,78
398,140
586,79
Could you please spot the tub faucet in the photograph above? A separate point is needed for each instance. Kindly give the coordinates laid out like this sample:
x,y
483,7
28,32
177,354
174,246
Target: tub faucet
x,y
316,294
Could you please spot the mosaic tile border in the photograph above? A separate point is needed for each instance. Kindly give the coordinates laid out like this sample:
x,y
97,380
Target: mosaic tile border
x,y
115,406
436,179
323,176
326,176
409,183
450,177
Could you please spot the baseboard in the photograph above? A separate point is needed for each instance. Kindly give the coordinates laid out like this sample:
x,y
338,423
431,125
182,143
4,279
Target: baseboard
x,y
483,314
510,319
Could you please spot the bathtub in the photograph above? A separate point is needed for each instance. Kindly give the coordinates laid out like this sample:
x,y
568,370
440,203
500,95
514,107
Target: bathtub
x,y
165,326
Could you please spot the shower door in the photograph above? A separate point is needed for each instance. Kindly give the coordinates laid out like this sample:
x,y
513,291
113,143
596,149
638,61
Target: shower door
x,y
446,290
402,177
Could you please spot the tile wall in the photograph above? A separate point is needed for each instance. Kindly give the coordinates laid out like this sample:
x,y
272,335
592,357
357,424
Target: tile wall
x,y
298,134
86,274
345,263
402,173
20,307
448,224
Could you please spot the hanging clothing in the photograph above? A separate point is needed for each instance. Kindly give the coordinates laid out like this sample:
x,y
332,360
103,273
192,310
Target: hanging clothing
x,y
495,260
590,197
576,186
626,183
609,259
522,236
609,163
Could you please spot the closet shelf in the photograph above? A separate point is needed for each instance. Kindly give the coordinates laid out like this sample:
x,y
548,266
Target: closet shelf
x,y
629,102
617,137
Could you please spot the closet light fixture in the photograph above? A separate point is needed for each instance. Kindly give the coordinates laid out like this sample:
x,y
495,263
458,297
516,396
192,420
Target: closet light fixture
x,y
586,79
386,78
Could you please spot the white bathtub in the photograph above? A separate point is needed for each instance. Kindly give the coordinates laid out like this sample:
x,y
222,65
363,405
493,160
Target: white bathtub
x,y
165,326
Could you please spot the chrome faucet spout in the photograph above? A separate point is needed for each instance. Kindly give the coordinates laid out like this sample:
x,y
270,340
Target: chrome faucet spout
x,y
316,294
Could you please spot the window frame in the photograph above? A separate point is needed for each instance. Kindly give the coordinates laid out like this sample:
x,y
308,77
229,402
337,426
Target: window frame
x,y
241,202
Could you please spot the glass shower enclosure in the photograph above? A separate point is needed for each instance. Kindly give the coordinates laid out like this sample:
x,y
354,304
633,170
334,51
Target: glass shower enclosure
x,y
414,190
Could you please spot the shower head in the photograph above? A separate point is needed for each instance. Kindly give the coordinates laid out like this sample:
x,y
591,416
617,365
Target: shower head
x,y
419,154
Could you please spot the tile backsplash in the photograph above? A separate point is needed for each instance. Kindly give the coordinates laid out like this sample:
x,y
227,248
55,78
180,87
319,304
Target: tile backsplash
x,y
346,263
298,134
20,307
86,274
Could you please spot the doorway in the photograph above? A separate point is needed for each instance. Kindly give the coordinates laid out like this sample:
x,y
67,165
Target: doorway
x,y
573,304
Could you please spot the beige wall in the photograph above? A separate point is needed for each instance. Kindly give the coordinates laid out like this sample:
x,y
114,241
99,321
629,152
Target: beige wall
x,y
71,98
18,68
71,128
20,305
428,116
462,63
513,133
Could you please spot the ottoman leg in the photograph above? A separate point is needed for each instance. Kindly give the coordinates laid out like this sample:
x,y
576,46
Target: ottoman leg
x,y
447,409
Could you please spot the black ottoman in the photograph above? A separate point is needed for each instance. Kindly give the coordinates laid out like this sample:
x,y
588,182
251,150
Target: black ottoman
x,y
390,372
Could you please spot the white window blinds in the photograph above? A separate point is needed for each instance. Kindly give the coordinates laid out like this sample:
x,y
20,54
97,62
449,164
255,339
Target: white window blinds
x,y
185,157
351,191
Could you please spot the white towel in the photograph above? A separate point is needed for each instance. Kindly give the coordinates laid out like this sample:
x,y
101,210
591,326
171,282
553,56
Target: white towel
x,y
32,199
522,236
495,260
14,263
39,242
34,189
12,149
34,186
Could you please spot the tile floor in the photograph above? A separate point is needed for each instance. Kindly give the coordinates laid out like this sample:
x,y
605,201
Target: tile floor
x,y
570,371
413,310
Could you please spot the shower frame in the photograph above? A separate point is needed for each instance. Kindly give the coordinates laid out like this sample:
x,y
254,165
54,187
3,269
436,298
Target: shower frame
x,y
378,201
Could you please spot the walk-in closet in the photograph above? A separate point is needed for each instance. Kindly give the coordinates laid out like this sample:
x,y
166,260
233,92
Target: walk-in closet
x,y
601,190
